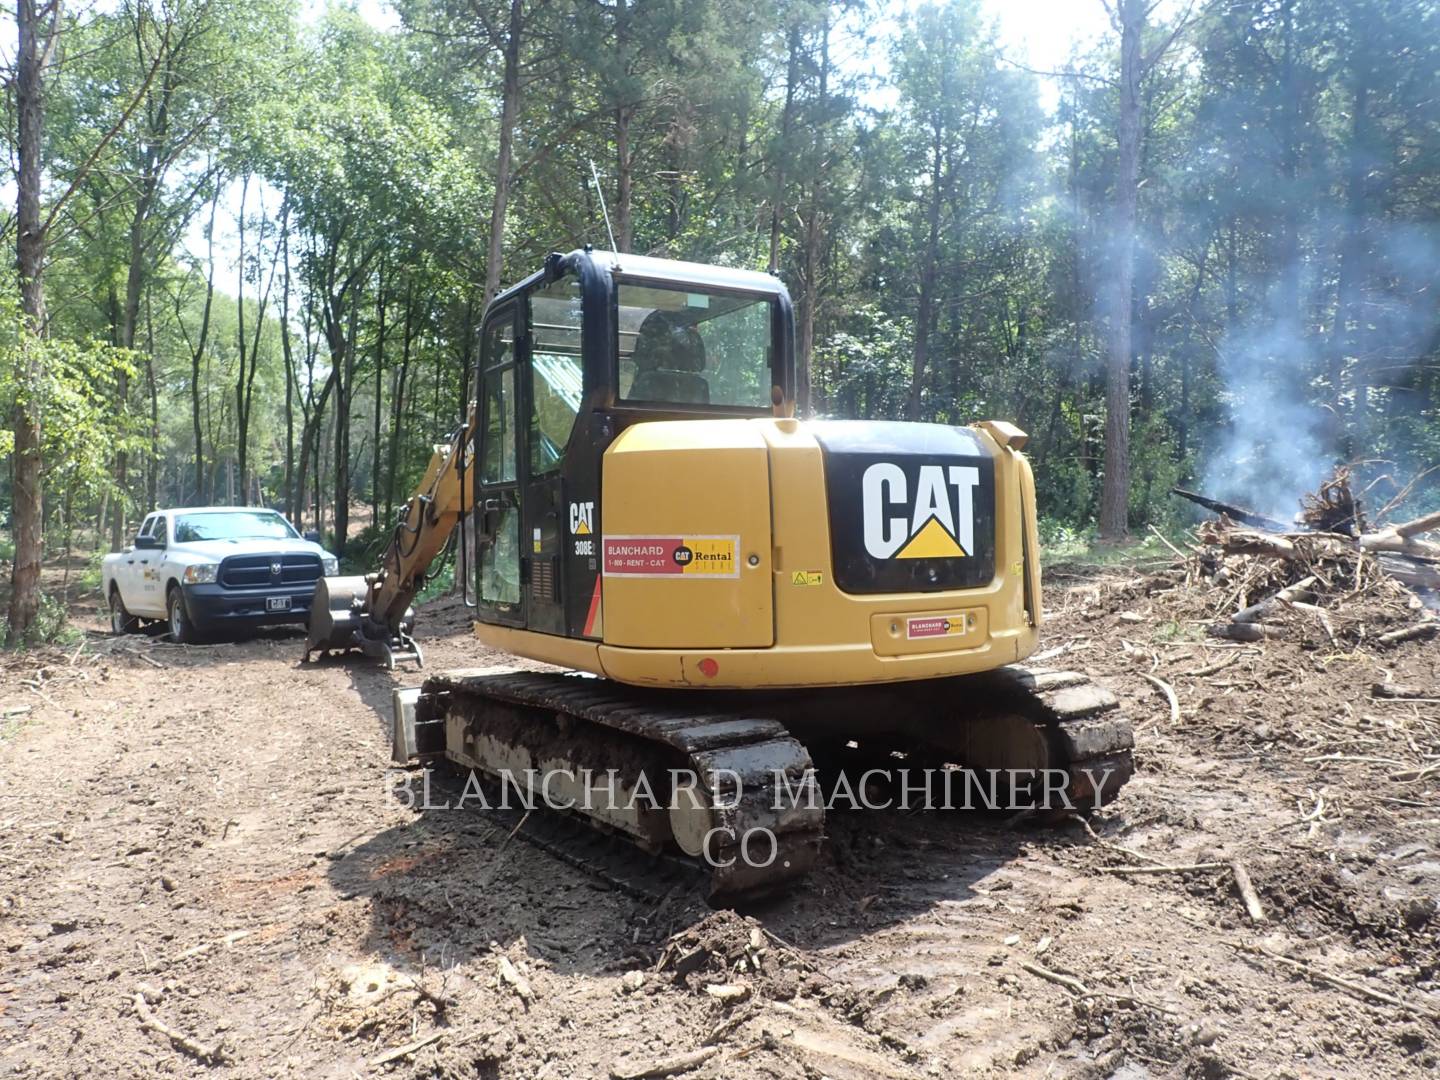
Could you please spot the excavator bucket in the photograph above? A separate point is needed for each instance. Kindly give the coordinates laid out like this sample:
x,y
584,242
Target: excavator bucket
x,y
335,615
338,623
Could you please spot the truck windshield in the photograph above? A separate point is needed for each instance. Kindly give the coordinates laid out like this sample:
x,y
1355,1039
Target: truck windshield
x,y
233,525
686,346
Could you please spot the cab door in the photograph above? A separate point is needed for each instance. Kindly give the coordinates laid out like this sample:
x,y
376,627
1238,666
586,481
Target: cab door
x,y
499,590
553,385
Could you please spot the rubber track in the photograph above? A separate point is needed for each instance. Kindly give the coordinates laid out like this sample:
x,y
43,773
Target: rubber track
x,y
757,749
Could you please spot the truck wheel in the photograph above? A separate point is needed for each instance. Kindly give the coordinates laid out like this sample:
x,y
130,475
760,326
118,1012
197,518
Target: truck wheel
x,y
183,630
121,621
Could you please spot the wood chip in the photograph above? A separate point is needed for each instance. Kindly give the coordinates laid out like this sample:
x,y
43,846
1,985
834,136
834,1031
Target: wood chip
x,y
510,975
728,993
1247,892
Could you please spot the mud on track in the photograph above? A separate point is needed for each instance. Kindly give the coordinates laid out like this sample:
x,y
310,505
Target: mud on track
x,y
210,828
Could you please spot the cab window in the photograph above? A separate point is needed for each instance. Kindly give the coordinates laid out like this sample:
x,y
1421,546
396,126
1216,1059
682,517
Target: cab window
x,y
498,437
556,374
157,528
687,346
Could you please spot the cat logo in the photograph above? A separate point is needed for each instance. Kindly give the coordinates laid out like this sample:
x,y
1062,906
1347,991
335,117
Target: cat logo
x,y
582,518
933,518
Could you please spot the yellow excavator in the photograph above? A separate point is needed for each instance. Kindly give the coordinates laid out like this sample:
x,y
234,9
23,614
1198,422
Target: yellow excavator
x,y
734,593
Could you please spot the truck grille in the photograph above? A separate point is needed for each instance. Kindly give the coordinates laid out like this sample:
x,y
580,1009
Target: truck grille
x,y
255,571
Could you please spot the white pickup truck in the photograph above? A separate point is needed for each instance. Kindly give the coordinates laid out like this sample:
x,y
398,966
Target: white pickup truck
x,y
208,568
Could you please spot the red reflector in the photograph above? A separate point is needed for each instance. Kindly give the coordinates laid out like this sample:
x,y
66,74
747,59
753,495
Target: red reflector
x,y
709,668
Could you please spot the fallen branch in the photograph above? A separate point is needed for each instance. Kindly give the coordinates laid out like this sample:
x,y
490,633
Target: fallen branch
x,y
1409,633
1169,692
1180,868
1246,888
1075,986
205,1052
1238,513
1400,690
1357,988
408,1049
1211,669
1257,612
667,1067
1244,631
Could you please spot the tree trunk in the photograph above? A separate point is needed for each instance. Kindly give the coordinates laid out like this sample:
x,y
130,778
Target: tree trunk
x,y
624,162
924,314
777,199
198,354
36,25
1115,492
509,112
242,412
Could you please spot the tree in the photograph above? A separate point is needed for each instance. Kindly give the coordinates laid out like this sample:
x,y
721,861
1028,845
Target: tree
x,y
37,25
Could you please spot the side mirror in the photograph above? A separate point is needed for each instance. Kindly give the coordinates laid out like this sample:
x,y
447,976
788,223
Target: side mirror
x,y
313,536
148,543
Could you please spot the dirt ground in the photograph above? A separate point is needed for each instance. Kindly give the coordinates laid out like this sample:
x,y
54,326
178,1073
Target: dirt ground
x,y
204,871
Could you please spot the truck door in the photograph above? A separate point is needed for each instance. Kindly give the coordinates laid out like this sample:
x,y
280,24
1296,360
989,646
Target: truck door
x,y
499,595
130,573
552,387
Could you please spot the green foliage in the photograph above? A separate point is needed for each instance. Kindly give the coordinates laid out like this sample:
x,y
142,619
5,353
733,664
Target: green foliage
x,y
929,209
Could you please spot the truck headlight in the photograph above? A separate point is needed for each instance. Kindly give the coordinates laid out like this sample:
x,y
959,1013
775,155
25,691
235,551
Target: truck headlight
x,y
331,565
201,573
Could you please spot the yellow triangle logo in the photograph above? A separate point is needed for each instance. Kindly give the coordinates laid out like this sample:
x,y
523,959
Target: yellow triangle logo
x,y
931,542
582,529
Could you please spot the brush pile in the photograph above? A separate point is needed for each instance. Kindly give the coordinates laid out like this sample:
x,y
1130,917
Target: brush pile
x,y
1330,574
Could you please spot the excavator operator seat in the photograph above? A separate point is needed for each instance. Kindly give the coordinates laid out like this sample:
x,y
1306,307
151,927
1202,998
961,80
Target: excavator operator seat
x,y
669,356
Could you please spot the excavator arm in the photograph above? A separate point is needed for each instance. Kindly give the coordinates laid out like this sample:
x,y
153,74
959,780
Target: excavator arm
x,y
373,613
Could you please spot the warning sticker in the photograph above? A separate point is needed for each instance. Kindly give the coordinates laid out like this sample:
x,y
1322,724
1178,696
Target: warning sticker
x,y
807,577
671,556
935,626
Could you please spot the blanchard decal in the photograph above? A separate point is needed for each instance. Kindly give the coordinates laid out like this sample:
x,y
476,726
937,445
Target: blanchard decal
x,y
929,626
671,556
932,519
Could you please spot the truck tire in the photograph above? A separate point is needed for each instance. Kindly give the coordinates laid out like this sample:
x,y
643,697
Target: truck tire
x,y
183,630
121,621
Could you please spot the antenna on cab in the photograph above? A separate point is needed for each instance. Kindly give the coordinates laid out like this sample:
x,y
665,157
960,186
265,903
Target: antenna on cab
x,y
595,176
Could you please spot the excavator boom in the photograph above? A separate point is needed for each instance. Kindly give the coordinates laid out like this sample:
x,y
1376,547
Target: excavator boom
x,y
372,612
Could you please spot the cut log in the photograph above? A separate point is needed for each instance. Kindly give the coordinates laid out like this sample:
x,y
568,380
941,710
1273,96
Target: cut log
x,y
1413,572
1426,523
1392,540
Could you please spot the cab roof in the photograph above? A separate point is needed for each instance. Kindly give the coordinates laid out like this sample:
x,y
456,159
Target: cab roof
x,y
648,268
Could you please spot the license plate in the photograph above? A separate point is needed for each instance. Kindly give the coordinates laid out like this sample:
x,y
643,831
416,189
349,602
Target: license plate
x,y
277,603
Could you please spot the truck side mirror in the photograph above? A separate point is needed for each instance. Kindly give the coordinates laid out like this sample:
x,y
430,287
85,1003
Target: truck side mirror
x,y
147,543
313,536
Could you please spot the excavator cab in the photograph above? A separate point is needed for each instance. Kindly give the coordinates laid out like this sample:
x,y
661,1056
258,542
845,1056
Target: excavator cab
x,y
569,358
